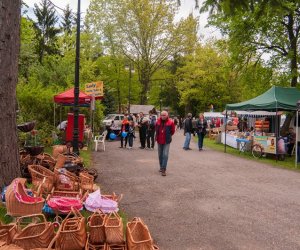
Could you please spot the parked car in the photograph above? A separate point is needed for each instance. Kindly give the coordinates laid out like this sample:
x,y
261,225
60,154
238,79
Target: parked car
x,y
117,118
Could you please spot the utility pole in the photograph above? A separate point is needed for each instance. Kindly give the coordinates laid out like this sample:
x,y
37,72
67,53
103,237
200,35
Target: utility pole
x,y
76,88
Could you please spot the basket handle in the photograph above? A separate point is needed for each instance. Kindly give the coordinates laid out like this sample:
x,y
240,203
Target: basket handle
x,y
20,219
135,221
75,212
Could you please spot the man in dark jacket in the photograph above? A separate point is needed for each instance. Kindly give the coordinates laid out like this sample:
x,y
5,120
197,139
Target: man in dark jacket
x,y
143,125
151,131
164,128
188,130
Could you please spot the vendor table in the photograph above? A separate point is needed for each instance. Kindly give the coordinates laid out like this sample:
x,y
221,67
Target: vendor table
x,y
230,140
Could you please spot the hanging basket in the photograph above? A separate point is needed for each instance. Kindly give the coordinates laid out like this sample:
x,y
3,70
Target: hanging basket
x,y
26,127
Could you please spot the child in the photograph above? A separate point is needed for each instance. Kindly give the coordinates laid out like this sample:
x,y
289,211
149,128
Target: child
x,y
124,128
131,134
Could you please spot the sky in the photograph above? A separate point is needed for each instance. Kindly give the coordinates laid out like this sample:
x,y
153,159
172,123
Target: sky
x,y
187,7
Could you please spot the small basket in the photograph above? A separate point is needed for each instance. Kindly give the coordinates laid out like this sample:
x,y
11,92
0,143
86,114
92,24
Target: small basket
x,y
42,176
96,228
86,181
66,181
34,235
114,229
138,236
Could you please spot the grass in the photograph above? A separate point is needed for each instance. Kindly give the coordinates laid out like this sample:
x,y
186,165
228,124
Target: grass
x,y
288,163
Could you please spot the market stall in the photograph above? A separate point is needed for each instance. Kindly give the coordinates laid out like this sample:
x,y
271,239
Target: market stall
x,y
273,100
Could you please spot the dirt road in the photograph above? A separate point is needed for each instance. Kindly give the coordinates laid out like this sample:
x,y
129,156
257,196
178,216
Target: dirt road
x,y
208,200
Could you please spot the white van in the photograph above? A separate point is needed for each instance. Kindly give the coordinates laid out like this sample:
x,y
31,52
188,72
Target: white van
x,y
117,118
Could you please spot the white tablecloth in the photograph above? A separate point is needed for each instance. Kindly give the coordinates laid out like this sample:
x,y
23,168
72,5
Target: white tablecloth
x,y
230,140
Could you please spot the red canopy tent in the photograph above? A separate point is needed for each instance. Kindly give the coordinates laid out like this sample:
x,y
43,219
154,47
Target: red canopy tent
x,y
67,98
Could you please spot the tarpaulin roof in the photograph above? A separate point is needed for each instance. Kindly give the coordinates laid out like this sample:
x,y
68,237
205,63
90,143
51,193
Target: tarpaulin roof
x,y
276,98
67,97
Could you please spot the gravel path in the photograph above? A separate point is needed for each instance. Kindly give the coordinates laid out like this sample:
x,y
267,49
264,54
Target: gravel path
x,y
208,200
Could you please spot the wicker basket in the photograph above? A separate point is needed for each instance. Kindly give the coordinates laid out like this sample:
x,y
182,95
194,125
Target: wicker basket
x,y
7,232
73,232
65,194
42,176
90,246
36,234
11,247
114,229
96,229
138,236
66,181
60,161
46,161
33,205
86,182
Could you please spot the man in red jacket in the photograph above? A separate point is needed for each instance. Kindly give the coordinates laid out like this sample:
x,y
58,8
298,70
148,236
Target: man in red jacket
x,y
164,128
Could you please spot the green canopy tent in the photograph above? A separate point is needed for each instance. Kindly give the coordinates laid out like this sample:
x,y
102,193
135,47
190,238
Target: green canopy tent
x,y
275,99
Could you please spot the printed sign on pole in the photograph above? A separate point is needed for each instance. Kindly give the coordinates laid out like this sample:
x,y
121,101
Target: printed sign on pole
x,y
94,88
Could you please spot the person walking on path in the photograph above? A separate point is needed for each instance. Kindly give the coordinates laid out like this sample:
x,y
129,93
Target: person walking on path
x,y
164,128
188,130
124,128
201,130
142,124
151,131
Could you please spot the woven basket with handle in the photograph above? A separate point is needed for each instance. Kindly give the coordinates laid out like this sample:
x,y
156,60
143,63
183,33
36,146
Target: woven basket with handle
x,y
114,229
73,232
96,227
38,233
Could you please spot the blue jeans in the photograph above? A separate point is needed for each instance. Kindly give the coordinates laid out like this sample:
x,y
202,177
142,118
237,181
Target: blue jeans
x,y
187,140
200,140
163,155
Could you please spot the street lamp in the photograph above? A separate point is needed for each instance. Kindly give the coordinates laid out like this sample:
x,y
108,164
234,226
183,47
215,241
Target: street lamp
x,y
76,85
130,70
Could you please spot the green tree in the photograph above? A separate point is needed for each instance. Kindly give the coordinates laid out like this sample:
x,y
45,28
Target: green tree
x,y
68,20
46,30
258,27
145,32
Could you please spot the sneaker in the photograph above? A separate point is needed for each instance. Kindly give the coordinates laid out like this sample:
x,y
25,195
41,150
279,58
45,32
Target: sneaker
x,y
200,149
121,147
163,173
160,170
129,147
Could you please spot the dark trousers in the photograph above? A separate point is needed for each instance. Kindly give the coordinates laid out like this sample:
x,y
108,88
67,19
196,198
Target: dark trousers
x,y
200,140
143,137
150,138
130,140
290,147
123,139
108,133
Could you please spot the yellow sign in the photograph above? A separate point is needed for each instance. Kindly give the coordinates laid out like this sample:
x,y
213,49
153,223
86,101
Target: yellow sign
x,y
94,88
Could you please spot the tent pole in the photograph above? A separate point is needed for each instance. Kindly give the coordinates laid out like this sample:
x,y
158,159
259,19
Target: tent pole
x,y
54,116
225,131
276,134
296,149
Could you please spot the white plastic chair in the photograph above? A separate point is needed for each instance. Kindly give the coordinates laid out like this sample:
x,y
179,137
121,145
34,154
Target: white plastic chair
x,y
100,139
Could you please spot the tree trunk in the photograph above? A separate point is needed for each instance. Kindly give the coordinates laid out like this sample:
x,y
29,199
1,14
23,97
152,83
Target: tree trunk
x,y
10,13
145,81
293,50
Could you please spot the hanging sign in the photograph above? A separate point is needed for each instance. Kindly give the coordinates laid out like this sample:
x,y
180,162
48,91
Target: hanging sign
x,y
94,88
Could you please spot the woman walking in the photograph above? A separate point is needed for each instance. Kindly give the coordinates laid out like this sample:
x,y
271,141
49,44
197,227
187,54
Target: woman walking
x,y
201,130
